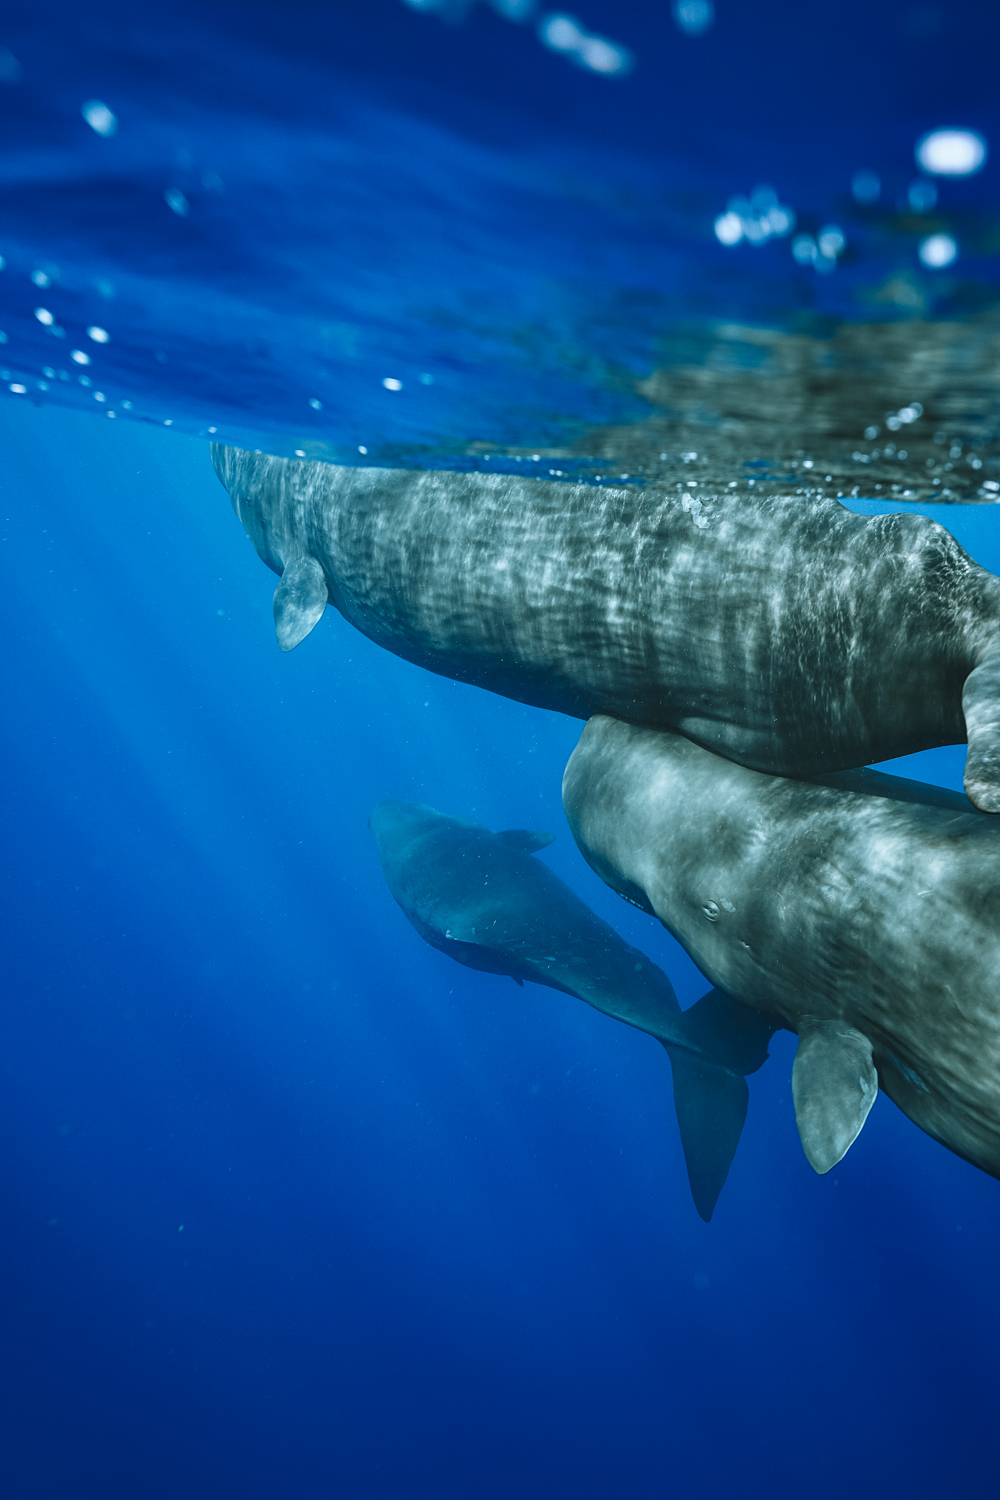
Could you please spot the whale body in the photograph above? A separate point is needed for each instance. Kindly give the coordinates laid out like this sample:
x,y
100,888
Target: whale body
x,y
481,898
860,910
787,634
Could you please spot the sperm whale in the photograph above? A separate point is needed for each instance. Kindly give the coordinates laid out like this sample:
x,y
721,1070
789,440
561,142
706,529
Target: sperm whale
x,y
481,898
861,911
787,634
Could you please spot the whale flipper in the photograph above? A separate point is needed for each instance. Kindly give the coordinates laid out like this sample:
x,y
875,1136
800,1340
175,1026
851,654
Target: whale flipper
x,y
527,840
299,601
834,1084
981,706
711,1104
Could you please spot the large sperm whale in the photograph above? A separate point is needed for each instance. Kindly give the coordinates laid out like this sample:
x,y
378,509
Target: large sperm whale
x,y
481,898
860,910
787,634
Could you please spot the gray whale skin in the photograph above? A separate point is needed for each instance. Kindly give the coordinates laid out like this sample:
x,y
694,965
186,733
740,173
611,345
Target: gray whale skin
x,y
481,898
787,634
860,910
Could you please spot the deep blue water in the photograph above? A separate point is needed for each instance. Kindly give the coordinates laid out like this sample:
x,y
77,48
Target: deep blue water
x,y
437,1236
291,1204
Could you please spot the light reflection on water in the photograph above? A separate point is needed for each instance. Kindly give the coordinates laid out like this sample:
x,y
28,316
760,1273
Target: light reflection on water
x,y
906,411
586,270
794,411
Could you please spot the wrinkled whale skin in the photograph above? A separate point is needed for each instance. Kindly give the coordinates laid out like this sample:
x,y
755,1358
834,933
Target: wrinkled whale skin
x,y
859,898
785,633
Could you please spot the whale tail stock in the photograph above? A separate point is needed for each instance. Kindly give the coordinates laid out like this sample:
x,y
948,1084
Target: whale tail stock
x,y
721,1042
981,706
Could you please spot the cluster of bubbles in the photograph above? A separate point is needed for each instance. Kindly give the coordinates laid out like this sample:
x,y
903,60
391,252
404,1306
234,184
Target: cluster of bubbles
x,y
563,34
568,36
44,278
25,385
761,217
821,251
755,219
921,195
901,418
935,250
941,153
560,33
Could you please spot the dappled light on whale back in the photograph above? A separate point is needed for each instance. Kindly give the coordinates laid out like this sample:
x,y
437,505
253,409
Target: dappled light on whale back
x,y
782,631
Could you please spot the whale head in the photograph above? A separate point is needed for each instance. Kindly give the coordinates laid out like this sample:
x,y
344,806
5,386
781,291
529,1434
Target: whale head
x,y
400,826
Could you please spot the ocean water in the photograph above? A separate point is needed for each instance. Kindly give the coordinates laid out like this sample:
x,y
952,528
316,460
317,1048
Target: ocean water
x,y
293,1205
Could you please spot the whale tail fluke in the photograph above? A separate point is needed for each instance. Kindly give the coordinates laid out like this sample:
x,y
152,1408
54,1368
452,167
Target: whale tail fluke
x,y
722,1041
981,706
711,1104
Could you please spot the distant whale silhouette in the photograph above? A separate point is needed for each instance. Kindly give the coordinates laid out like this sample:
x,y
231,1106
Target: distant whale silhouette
x,y
481,898
787,634
860,910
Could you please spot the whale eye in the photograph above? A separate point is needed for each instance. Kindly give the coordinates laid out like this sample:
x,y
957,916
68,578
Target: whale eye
x,y
711,911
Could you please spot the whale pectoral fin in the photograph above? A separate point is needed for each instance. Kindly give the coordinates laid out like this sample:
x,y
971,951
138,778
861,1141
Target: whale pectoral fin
x,y
299,601
527,840
981,706
711,1104
834,1084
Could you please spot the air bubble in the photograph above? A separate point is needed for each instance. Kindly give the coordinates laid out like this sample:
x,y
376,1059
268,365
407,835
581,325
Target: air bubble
x,y
937,251
951,153
99,117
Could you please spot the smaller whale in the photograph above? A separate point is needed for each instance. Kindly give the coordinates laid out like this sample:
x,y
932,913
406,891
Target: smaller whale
x,y
484,900
861,911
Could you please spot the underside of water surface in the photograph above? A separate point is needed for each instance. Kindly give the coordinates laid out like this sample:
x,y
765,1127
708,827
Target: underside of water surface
x,y
433,235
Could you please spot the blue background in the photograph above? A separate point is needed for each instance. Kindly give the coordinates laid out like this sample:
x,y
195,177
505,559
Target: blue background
x,y
437,1236
290,1204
